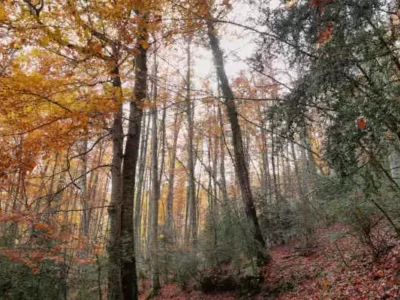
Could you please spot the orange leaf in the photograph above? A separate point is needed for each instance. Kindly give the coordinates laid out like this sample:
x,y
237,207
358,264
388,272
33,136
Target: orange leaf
x,y
43,226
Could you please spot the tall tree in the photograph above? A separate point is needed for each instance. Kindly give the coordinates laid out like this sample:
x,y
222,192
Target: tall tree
x,y
171,177
191,200
114,211
129,277
155,188
237,141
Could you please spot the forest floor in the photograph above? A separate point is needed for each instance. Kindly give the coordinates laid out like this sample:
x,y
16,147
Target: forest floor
x,y
339,267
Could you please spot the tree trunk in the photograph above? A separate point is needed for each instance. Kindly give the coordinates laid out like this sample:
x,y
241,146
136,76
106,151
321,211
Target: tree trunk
x,y
192,232
266,184
141,184
85,218
237,142
163,132
275,176
224,190
171,180
216,139
288,177
129,277
114,211
155,191
307,168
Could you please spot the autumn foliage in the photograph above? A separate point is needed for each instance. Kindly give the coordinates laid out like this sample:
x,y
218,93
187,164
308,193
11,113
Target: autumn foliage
x,y
199,150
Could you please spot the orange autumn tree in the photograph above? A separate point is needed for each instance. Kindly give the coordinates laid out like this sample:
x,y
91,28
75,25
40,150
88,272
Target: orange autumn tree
x,y
48,107
95,44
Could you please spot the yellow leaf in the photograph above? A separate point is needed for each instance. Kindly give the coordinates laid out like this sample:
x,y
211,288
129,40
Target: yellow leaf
x,y
144,44
3,14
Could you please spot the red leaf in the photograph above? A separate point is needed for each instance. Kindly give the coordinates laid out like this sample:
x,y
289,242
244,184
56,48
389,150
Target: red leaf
x,y
325,34
361,124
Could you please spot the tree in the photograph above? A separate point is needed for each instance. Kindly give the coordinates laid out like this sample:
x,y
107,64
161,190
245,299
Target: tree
x,y
155,189
171,177
191,200
349,64
237,142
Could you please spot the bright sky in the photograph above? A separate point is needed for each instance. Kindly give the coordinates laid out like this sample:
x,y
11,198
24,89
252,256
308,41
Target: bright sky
x,y
236,43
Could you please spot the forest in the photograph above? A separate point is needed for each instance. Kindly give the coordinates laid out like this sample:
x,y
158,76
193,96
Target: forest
x,y
199,149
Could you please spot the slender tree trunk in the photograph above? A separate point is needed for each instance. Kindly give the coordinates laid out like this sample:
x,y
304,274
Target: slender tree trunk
x,y
114,211
100,216
274,169
163,133
215,167
278,179
155,190
224,190
289,185
95,194
209,170
305,187
145,213
296,171
192,232
85,218
237,142
171,180
141,184
266,184
94,190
